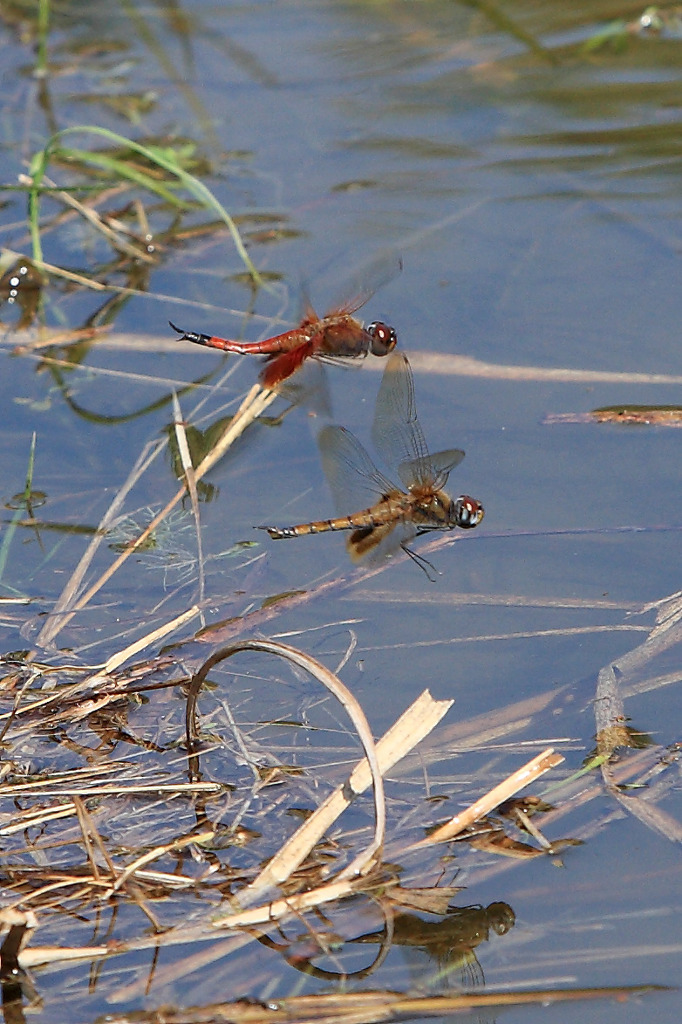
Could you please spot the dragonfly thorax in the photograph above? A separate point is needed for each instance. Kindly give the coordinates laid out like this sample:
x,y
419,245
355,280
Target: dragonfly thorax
x,y
436,510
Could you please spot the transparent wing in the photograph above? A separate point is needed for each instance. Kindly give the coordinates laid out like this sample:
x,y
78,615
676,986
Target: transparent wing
x,y
308,388
440,463
366,280
353,479
396,432
348,362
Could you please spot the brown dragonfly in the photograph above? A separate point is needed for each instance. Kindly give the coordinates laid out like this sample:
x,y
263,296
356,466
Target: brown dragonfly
x,y
393,515
336,335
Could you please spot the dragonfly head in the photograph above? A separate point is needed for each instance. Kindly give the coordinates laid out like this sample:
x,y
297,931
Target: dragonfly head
x,y
384,338
466,512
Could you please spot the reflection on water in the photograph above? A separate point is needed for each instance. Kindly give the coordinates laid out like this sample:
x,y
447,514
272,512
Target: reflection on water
x,y
440,952
444,952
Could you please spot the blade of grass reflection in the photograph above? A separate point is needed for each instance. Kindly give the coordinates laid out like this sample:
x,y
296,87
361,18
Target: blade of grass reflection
x,y
255,403
24,505
512,28
64,607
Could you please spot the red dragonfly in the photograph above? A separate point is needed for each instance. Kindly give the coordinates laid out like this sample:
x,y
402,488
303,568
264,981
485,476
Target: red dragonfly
x,y
336,335
396,514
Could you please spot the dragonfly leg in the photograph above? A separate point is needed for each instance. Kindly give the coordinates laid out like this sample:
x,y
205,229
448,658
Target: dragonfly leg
x,y
423,564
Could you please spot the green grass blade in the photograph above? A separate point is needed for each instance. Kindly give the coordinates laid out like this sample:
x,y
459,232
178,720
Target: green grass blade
x,y
121,169
165,158
43,28
20,511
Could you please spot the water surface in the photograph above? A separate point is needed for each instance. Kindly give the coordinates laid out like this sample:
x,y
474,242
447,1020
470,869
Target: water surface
x,y
528,179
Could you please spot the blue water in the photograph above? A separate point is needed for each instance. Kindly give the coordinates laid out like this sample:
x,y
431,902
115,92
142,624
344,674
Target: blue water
x,y
531,189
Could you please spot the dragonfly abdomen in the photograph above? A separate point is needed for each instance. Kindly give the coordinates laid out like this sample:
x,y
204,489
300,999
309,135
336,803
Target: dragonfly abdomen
x,y
273,346
304,529
389,510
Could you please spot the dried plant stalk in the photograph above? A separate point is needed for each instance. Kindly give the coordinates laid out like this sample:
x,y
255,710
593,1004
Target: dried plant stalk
x,y
410,729
365,860
486,804
611,720
378,1005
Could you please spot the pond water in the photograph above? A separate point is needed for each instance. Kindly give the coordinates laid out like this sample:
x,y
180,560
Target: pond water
x,y
521,162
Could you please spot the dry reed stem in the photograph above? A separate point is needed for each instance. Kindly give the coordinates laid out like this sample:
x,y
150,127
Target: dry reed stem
x,y
69,716
91,835
285,907
443,598
38,818
153,638
577,791
137,252
448,364
658,418
66,275
33,956
40,702
152,789
410,729
116,689
191,483
365,860
159,851
519,779
611,719
87,829
85,892
467,366
376,1006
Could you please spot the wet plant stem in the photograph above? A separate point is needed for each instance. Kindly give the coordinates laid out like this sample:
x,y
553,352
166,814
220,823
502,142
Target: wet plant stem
x,y
24,501
43,28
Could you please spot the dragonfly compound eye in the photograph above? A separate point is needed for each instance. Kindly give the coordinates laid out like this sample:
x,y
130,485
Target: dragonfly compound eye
x,y
384,338
468,512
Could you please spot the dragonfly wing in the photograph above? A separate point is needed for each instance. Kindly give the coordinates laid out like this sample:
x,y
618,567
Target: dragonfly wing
x,y
353,479
308,314
367,280
308,388
344,362
281,366
375,544
411,471
396,432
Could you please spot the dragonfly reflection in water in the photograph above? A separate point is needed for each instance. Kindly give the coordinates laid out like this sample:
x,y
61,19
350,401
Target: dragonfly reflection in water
x,y
393,515
448,944
337,335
